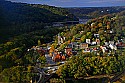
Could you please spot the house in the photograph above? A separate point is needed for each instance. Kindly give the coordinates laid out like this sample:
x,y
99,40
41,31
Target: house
x,y
95,49
92,24
98,41
111,42
103,48
112,47
63,58
86,50
120,45
88,41
57,58
106,43
60,39
70,45
77,39
93,43
110,31
75,45
81,32
96,35
83,45
68,51
41,52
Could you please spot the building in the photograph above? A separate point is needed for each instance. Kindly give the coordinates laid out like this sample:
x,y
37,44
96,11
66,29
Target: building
x,y
111,42
83,45
96,35
98,41
68,51
88,41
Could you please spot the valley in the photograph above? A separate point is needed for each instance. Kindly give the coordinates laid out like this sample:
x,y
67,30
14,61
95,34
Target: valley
x,y
42,43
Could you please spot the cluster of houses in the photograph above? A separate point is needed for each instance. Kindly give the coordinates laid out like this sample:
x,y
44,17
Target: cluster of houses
x,y
94,46
73,48
38,49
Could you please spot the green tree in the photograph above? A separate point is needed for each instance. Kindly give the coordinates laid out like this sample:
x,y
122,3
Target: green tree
x,y
39,42
83,38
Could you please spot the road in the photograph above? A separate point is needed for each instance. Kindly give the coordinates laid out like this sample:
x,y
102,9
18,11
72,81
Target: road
x,y
49,60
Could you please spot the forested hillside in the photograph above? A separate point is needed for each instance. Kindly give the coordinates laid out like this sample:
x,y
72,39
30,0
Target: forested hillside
x,y
19,18
110,27
92,12
22,27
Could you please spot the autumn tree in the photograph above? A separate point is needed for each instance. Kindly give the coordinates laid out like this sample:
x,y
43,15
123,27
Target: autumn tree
x,y
83,38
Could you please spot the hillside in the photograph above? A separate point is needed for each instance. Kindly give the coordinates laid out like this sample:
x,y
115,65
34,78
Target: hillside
x,y
86,58
25,41
21,27
19,18
92,12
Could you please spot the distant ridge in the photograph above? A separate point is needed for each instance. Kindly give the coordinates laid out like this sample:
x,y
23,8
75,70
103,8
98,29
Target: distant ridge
x,y
93,12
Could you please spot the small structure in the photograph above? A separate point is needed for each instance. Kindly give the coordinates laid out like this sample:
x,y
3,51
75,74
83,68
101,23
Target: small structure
x,y
41,52
68,51
98,41
103,48
96,35
63,57
93,43
83,45
70,45
86,50
57,58
74,44
111,42
113,47
106,43
60,39
77,39
88,41
120,45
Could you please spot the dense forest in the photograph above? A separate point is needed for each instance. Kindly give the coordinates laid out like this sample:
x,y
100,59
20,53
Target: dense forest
x,y
19,18
21,27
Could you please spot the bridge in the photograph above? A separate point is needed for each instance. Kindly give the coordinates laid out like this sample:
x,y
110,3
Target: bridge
x,y
44,76
81,21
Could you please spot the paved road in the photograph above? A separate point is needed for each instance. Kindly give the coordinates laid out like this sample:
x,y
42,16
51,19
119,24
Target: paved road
x,y
49,60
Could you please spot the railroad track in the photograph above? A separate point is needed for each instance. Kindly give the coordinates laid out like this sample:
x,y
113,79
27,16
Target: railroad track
x,y
116,77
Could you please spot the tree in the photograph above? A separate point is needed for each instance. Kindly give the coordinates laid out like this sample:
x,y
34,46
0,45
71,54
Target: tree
x,y
100,25
39,42
101,32
42,59
89,35
15,74
83,38
108,26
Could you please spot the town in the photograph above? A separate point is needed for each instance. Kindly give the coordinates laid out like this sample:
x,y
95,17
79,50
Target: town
x,y
55,43
59,51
